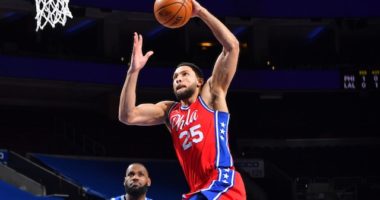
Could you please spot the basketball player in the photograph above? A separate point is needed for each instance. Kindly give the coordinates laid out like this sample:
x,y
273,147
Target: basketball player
x,y
199,121
136,183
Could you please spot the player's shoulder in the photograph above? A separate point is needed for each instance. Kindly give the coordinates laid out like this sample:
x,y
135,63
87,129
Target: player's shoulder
x,y
166,103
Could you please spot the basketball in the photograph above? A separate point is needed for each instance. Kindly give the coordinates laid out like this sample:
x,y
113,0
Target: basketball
x,y
173,13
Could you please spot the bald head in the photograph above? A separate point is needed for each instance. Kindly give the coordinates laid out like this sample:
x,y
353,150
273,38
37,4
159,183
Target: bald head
x,y
137,167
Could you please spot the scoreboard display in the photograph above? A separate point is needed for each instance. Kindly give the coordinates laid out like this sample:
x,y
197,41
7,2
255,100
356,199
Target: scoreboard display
x,y
361,79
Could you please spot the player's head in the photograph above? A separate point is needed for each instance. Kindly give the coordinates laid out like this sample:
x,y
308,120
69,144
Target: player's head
x,y
187,79
136,181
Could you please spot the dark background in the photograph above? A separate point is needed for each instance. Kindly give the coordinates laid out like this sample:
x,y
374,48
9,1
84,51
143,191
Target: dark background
x,y
308,132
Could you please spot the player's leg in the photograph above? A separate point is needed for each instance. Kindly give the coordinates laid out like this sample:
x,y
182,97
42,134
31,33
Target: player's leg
x,y
228,185
237,192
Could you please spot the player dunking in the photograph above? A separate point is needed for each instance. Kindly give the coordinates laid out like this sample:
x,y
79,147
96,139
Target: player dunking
x,y
199,121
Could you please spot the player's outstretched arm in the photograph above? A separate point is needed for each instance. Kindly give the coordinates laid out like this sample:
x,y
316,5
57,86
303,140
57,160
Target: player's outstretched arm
x,y
143,114
226,63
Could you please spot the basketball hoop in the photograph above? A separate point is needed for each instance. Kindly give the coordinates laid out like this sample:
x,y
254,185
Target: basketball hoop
x,y
52,11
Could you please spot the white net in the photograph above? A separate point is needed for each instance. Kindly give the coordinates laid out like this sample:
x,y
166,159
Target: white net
x,y
52,12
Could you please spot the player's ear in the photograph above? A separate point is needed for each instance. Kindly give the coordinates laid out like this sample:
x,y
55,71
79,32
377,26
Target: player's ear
x,y
200,82
125,181
149,182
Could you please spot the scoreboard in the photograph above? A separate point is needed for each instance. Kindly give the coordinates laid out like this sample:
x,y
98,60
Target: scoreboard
x,y
361,79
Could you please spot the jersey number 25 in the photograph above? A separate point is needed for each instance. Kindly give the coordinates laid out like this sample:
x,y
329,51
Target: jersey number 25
x,y
195,136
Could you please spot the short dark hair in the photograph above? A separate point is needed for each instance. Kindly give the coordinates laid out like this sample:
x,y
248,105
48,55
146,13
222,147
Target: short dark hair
x,y
194,67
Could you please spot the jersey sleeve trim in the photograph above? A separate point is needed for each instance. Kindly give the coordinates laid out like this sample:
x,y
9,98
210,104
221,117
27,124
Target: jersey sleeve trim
x,y
204,104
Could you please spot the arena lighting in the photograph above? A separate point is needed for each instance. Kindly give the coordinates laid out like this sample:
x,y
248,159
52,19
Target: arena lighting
x,y
315,33
8,15
11,16
206,44
237,31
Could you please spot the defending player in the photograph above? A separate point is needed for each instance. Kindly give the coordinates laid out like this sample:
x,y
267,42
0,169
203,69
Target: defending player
x,y
136,183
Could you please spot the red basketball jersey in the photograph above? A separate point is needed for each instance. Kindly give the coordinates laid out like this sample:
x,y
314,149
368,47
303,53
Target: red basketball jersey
x,y
200,138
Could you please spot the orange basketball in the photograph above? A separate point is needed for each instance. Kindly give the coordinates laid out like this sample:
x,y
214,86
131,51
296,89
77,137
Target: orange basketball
x,y
173,13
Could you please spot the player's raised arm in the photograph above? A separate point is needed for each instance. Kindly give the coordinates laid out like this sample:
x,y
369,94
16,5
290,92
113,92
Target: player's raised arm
x,y
143,114
226,63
